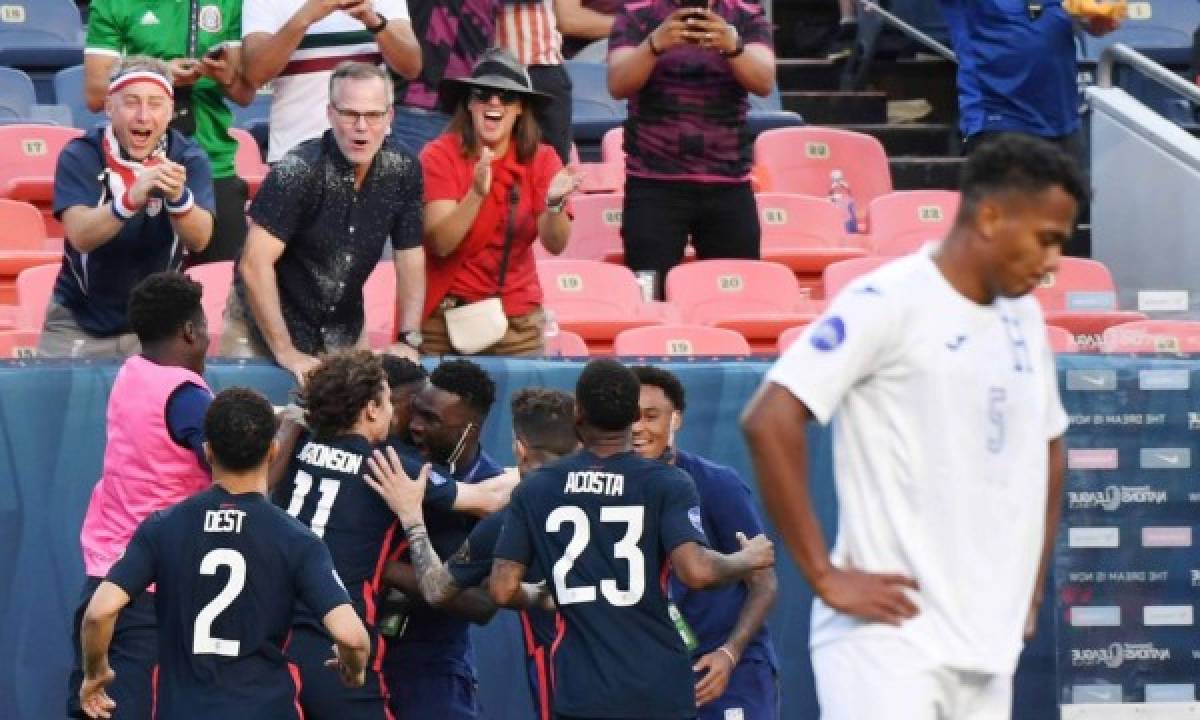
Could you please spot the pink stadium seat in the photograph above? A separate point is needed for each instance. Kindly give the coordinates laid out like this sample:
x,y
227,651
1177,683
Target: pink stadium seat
x,y
1081,297
249,163
841,274
790,336
804,232
1152,336
756,298
687,340
1061,340
597,300
612,146
901,222
23,244
800,160
216,279
601,177
28,155
595,229
565,343
34,287
18,343
379,305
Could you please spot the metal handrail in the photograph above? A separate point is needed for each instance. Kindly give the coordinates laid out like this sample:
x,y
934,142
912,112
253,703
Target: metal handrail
x,y
909,30
1120,52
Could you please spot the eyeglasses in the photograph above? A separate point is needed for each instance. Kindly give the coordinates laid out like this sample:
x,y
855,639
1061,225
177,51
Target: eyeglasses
x,y
483,95
351,117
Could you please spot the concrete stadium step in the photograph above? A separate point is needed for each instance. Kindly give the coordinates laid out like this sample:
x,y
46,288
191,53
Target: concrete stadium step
x,y
913,139
807,74
920,173
838,108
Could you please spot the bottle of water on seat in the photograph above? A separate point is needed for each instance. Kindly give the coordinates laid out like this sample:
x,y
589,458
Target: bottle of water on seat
x,y
839,195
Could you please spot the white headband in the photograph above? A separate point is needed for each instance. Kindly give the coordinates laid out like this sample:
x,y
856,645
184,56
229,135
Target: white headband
x,y
121,81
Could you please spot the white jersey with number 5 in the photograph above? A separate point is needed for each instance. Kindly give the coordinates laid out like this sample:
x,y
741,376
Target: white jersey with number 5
x,y
942,410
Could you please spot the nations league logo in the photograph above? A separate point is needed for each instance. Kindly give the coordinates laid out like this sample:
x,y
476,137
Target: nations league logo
x,y
1117,653
1112,497
829,335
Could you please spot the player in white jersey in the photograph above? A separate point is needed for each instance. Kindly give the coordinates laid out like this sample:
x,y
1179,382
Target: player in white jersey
x,y
947,429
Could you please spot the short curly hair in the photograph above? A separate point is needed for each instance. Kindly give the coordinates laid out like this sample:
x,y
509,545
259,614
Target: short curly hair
x,y
468,381
544,419
161,304
239,427
607,393
336,390
664,380
402,371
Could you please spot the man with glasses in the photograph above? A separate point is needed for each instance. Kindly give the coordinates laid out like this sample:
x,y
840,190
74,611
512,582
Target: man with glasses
x,y
320,221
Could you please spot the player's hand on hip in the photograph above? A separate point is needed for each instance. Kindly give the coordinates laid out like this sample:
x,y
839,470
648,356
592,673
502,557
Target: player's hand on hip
x,y
92,695
878,597
403,495
715,668
759,551
350,677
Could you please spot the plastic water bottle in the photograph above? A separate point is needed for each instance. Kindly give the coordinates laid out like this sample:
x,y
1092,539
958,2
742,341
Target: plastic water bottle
x,y
686,633
839,195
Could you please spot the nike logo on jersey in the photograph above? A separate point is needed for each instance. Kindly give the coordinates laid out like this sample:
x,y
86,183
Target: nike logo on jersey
x,y
868,290
149,18
956,343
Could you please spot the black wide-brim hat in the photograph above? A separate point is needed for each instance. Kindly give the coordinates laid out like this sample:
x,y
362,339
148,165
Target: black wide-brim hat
x,y
496,69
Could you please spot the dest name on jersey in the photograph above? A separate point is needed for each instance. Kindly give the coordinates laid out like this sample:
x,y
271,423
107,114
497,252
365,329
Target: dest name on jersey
x,y
595,482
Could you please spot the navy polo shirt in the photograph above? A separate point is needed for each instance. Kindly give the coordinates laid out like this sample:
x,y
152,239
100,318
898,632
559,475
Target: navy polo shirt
x,y
1015,74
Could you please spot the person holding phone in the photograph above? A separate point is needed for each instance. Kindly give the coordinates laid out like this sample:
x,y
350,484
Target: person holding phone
x,y
686,67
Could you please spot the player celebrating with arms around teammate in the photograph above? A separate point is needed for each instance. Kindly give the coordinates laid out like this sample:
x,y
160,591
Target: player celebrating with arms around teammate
x,y
601,524
947,431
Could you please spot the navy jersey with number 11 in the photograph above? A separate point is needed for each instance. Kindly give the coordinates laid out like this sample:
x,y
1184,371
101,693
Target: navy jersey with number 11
x,y
601,529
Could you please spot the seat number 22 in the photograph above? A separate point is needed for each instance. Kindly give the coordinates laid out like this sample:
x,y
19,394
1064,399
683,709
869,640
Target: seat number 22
x,y
633,517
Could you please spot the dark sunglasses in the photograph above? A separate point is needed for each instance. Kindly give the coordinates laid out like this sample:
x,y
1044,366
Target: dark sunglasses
x,y
483,95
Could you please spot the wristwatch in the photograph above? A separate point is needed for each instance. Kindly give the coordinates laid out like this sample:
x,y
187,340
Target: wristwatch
x,y
556,207
378,28
412,338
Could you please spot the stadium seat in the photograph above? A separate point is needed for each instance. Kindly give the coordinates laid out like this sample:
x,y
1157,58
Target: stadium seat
x,y
259,109
21,227
840,274
595,229
1152,336
1149,25
17,97
1061,340
68,90
565,343
35,285
790,336
758,299
18,343
593,110
767,113
597,300
216,279
40,37
800,160
379,305
249,160
687,340
901,222
612,148
803,232
1081,297
28,155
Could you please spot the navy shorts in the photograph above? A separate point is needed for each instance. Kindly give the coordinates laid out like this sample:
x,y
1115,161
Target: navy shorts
x,y
541,683
432,691
133,656
322,694
753,688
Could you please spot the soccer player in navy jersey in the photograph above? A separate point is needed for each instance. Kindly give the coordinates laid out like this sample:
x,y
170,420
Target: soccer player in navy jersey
x,y
543,430
736,664
229,568
602,524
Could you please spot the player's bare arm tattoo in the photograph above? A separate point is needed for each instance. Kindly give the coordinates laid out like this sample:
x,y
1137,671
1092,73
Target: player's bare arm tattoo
x,y
435,582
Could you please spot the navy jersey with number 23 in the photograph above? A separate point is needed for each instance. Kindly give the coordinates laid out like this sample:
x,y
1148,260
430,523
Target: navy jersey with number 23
x,y
600,529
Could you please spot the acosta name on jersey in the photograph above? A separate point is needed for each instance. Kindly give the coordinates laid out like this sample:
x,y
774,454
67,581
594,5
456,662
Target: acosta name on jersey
x,y
595,482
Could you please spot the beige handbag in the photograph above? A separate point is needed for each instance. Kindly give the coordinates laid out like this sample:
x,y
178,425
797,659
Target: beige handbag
x,y
477,326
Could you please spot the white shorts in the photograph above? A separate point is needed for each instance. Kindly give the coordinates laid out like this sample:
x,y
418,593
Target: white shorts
x,y
863,678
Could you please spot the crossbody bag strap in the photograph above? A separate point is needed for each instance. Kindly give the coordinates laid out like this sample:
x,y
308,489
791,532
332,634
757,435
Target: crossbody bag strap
x,y
510,229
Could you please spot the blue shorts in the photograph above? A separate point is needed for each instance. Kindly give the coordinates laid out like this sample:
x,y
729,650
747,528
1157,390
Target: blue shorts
x,y
133,655
322,694
431,691
753,687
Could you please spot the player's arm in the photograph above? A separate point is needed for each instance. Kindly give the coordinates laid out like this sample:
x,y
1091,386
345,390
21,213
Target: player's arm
x,y
291,427
96,632
505,585
486,496
352,644
775,425
700,568
1055,475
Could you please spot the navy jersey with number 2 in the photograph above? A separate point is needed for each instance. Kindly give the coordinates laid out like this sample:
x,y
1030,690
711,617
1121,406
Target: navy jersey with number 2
x,y
601,529
229,570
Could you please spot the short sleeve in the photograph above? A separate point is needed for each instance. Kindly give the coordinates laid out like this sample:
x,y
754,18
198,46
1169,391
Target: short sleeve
x,y
753,26
199,178
185,412
730,510
472,564
547,163
135,571
317,583
75,178
104,34
847,343
515,541
680,521
628,30
392,9
409,208
442,173
233,28
275,208
257,17
1056,416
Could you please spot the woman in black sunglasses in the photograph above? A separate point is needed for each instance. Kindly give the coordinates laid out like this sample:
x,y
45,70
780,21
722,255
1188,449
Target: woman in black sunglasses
x,y
492,188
